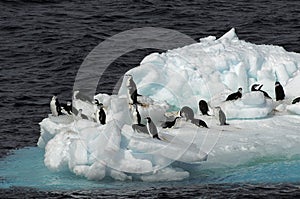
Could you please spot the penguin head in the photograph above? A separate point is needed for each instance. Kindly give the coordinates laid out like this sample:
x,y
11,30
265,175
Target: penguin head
x,y
129,79
96,101
255,87
69,103
240,90
54,97
218,108
100,105
148,119
277,83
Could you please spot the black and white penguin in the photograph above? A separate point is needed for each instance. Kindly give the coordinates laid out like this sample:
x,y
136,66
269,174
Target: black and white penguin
x,y
296,100
55,106
235,96
132,90
67,108
152,130
137,125
203,107
257,87
187,113
220,115
137,115
199,122
279,92
100,115
169,124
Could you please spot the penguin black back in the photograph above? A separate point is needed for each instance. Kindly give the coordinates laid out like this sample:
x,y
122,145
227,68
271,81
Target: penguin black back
x,y
199,122
169,124
187,112
102,114
296,100
235,96
58,107
203,107
152,130
279,92
257,87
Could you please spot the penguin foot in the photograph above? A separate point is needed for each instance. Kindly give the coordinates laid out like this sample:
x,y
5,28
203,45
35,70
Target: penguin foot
x,y
156,136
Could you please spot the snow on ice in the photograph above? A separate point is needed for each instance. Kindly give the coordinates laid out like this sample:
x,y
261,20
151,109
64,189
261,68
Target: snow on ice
x,y
210,69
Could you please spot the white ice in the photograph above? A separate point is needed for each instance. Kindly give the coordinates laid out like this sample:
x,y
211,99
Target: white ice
x,y
210,70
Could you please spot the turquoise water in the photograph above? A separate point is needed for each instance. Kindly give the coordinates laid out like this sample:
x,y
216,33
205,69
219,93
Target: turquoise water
x,y
25,168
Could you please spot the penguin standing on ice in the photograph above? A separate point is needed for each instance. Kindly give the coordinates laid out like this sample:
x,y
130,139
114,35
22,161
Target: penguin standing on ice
x,y
137,125
55,106
235,96
152,130
203,107
169,124
100,115
132,90
257,87
279,92
187,113
220,115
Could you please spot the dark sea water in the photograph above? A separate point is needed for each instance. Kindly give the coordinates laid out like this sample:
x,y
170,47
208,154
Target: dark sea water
x,y
44,42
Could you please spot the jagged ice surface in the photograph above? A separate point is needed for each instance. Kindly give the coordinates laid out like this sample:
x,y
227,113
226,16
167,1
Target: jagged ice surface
x,y
210,70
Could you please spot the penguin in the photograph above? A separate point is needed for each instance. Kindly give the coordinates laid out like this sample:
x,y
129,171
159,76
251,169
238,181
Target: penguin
x,y
199,122
187,113
279,92
257,87
100,115
137,125
235,96
220,116
169,124
55,106
152,130
132,90
67,108
296,100
203,107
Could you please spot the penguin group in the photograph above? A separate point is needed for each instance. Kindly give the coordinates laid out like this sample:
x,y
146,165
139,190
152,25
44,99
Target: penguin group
x,y
185,112
57,109
66,109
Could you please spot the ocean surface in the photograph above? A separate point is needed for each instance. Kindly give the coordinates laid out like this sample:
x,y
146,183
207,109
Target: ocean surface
x,y
44,42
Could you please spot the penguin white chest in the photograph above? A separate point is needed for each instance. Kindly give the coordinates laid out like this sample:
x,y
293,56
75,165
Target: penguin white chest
x,y
97,116
53,108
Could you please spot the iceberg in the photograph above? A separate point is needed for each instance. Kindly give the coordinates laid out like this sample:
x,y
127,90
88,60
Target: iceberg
x,y
210,69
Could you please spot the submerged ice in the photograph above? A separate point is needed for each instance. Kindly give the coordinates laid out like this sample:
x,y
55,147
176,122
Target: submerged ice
x,y
209,70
